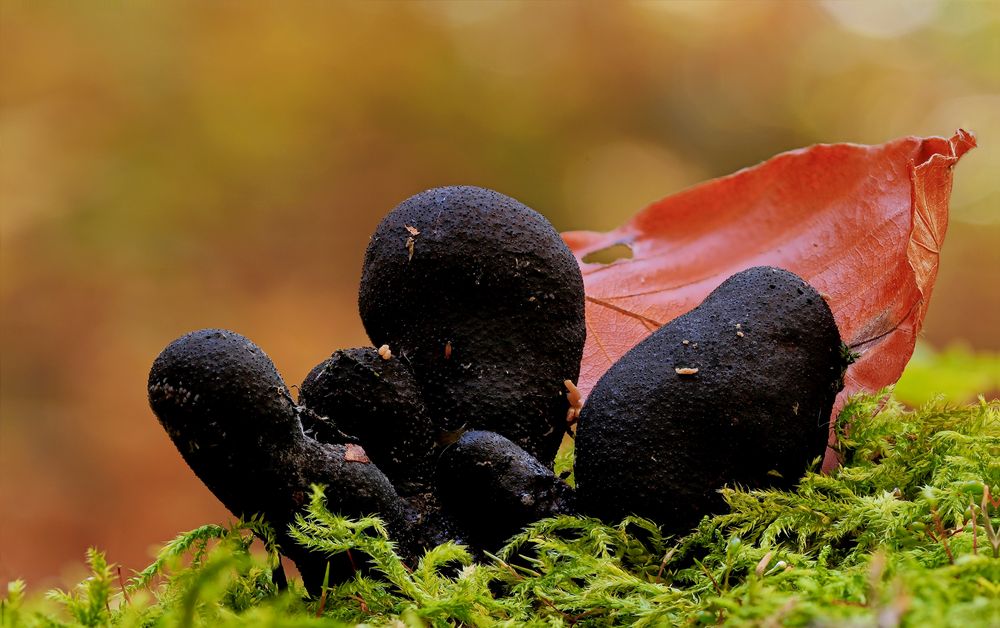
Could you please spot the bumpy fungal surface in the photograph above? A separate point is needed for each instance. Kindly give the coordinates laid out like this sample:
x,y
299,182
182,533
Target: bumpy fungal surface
x,y
494,488
481,296
357,392
737,391
230,416
212,388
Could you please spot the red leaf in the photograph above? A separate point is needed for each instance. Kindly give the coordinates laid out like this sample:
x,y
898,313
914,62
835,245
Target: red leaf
x,y
863,224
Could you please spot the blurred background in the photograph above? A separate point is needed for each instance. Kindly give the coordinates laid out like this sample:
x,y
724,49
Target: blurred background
x,y
171,166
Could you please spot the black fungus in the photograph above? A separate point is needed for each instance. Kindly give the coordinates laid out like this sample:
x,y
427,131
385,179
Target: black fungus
x,y
357,393
737,391
232,419
493,488
484,300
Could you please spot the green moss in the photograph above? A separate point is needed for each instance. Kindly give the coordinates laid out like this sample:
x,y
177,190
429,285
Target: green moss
x,y
904,533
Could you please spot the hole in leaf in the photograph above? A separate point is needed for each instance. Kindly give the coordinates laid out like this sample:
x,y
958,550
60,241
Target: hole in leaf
x,y
609,254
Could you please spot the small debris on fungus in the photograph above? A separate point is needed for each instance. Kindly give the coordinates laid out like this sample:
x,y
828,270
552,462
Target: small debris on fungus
x,y
685,370
384,352
575,401
413,230
355,453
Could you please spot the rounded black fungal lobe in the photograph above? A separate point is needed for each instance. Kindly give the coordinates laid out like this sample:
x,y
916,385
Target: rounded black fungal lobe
x,y
213,387
737,391
493,488
358,393
482,297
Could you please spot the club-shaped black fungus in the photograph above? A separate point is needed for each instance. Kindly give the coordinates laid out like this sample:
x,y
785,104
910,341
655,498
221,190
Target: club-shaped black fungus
x,y
230,415
359,393
737,391
484,300
493,488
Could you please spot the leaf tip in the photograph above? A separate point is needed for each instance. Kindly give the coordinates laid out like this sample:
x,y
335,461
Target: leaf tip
x,y
962,142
